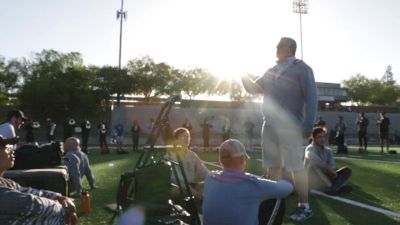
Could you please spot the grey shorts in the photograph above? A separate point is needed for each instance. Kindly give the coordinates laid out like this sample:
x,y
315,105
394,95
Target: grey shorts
x,y
282,148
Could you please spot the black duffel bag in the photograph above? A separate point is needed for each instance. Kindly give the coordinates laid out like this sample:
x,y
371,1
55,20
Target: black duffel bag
x,y
37,157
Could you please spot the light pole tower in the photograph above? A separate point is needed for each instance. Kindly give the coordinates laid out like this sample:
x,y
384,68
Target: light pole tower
x,y
121,14
300,7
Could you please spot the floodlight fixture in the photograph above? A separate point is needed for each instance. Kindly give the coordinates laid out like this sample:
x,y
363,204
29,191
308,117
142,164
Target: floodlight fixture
x,y
300,7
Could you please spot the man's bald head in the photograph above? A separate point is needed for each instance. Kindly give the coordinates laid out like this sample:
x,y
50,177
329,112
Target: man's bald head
x,y
232,154
72,143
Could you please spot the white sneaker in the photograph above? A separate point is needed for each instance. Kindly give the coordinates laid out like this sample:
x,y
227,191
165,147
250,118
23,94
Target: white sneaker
x,y
301,214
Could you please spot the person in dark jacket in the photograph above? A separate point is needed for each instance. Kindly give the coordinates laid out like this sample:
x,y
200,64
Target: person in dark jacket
x,y
135,129
362,126
206,132
69,128
384,123
103,138
50,130
85,130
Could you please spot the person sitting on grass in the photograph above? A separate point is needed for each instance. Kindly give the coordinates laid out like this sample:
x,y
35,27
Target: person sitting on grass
x,y
195,170
233,196
25,205
320,163
78,165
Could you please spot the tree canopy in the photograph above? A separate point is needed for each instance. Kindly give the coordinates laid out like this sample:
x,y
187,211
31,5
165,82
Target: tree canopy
x,y
366,91
59,84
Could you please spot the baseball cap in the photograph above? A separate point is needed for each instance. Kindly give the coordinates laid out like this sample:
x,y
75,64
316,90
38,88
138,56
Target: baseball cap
x,y
17,113
234,147
9,141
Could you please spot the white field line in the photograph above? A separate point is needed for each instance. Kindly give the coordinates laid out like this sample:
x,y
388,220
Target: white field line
x,y
371,160
337,198
359,204
213,164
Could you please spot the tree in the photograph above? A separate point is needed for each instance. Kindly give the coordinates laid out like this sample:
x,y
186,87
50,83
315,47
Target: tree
x,y
383,94
165,78
116,81
59,85
8,80
194,81
388,76
371,91
358,88
153,79
141,69
237,92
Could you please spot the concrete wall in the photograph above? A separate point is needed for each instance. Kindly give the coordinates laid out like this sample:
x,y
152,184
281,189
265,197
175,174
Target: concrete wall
x,y
196,115
237,116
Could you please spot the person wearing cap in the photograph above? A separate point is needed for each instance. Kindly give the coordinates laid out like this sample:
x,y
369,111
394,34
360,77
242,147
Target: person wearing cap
x,y
78,165
320,164
15,119
232,196
194,168
289,110
25,205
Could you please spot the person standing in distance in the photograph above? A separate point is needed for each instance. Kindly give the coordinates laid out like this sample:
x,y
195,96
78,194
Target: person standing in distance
x,y
362,125
135,129
85,130
383,123
289,110
50,130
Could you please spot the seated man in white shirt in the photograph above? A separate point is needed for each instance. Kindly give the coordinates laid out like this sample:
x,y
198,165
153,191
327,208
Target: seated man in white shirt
x,y
321,164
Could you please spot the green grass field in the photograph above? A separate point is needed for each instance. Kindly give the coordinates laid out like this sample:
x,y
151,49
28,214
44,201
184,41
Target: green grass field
x,y
374,183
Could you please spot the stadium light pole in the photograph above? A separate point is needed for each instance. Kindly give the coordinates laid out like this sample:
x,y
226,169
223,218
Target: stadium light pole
x,y
121,14
300,7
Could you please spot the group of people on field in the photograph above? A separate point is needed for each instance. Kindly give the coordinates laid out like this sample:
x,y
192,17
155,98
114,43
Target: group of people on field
x,y
230,196
233,196
337,134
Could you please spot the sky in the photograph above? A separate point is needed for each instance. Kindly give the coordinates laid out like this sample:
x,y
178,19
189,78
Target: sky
x,y
229,38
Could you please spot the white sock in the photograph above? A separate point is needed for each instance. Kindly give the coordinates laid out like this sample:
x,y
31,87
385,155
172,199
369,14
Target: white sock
x,y
305,205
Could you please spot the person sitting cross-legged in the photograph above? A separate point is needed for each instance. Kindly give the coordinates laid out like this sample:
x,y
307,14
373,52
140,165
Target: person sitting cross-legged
x,y
320,163
232,196
25,205
78,165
